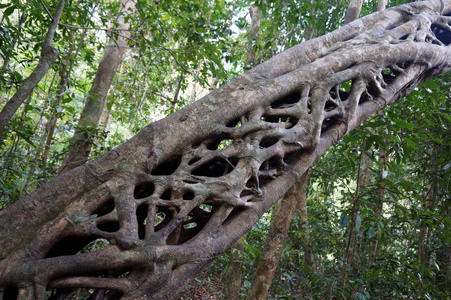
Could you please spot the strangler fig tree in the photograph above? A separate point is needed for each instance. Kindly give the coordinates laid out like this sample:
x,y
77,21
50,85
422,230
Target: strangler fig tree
x,y
179,193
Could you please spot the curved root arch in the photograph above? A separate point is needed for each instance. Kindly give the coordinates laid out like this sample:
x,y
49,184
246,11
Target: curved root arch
x,y
168,202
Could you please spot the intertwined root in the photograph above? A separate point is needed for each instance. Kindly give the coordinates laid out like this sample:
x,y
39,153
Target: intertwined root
x,y
145,230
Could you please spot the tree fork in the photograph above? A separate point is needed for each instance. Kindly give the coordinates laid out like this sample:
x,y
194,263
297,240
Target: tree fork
x,y
171,199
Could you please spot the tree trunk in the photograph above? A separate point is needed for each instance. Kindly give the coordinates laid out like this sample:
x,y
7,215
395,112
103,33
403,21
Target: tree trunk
x,y
443,277
381,4
424,253
353,12
351,255
235,270
275,241
278,118
377,206
48,57
256,17
82,140
309,258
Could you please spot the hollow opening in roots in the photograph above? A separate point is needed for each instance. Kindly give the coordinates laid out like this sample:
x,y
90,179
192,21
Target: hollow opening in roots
x,y
267,142
194,222
252,184
327,124
367,95
219,144
159,217
291,157
234,123
245,193
141,217
271,163
206,207
95,245
11,293
442,33
166,194
216,167
194,160
404,65
167,167
188,195
287,101
388,75
69,245
340,92
143,190
110,226
163,216
77,293
269,170
104,208
330,105
404,37
288,120
346,86
190,225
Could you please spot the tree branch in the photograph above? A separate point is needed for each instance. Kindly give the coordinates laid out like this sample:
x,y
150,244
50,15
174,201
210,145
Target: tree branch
x,y
48,57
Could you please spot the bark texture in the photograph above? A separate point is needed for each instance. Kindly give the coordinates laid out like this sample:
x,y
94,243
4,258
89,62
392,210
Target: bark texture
x,y
48,57
179,193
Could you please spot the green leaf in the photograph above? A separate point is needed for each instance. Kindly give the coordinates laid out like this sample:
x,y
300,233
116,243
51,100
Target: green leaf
x,y
378,123
9,11
371,232
403,124
344,220
358,222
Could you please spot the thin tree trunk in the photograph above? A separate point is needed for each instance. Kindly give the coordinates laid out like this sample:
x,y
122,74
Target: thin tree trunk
x,y
81,142
235,270
381,4
375,244
48,57
424,253
352,254
353,12
309,258
256,17
274,243
443,276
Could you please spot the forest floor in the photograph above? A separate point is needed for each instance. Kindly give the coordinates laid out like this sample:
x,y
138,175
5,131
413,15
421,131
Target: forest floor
x,y
203,287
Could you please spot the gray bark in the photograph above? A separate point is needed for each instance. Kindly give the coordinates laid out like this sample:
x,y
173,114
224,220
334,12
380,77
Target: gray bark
x,y
381,4
353,12
279,117
48,57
